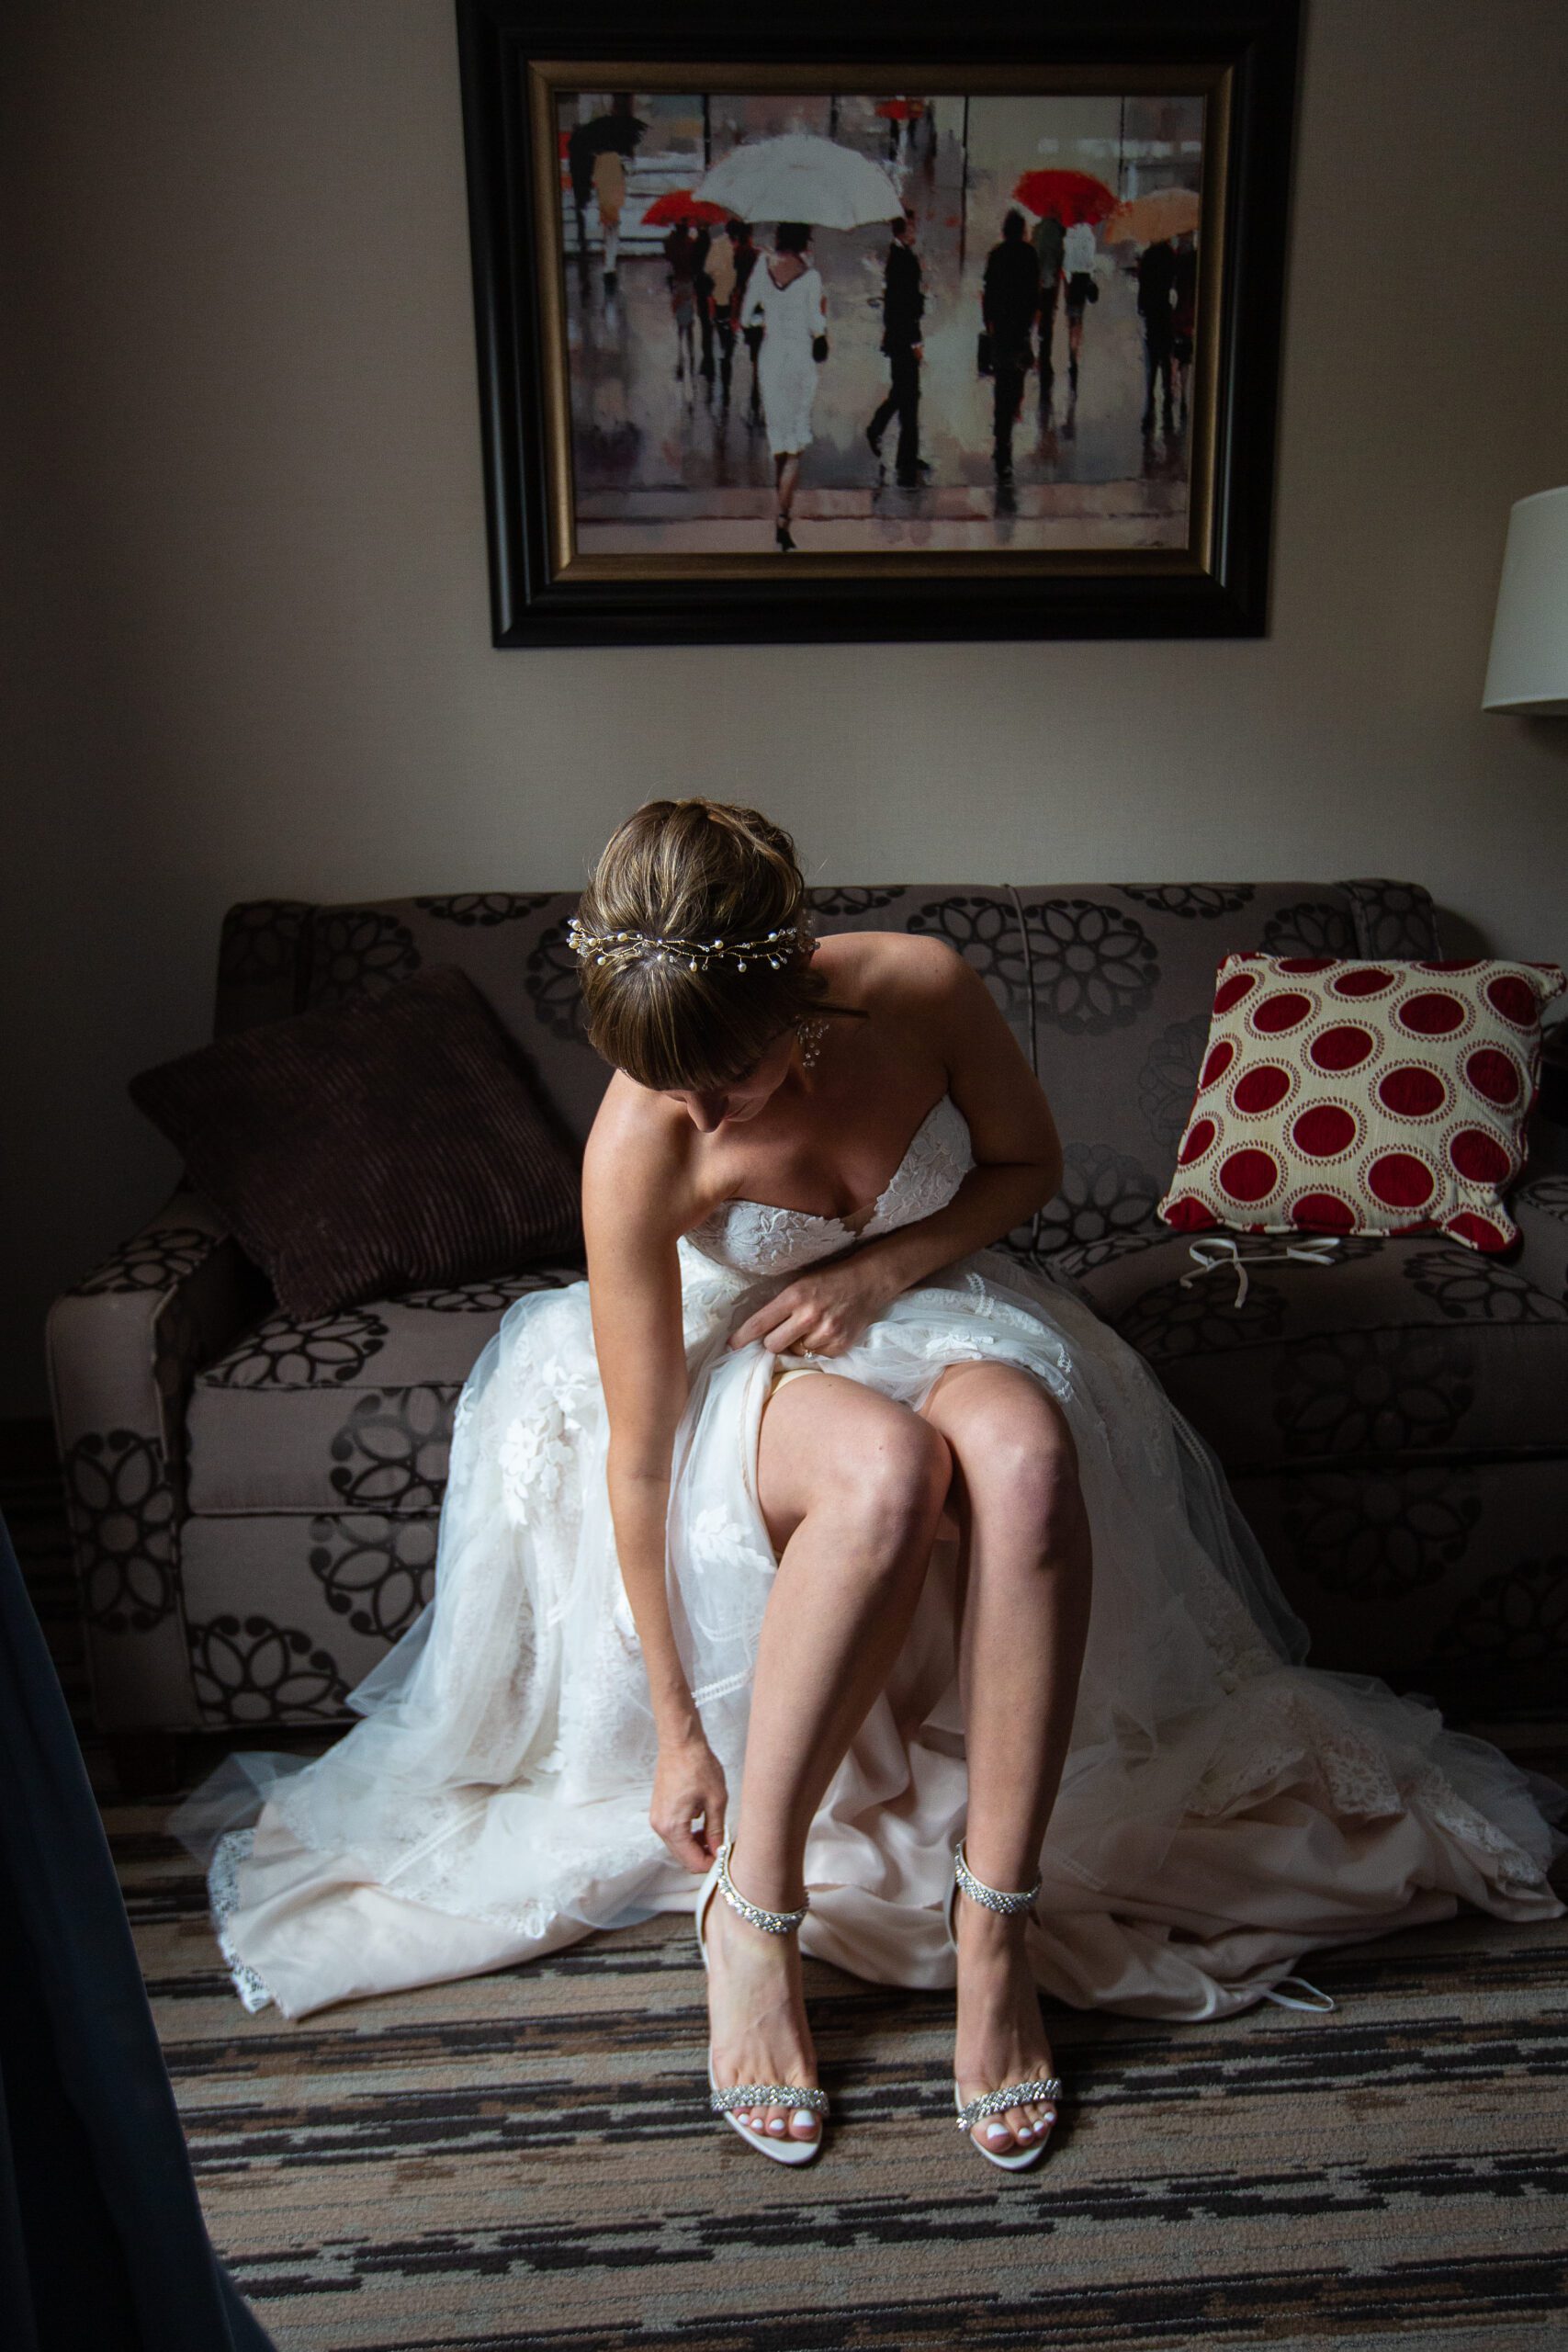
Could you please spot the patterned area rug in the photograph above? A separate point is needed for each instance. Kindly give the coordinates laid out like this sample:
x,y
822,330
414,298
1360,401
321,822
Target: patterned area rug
x,y
525,2159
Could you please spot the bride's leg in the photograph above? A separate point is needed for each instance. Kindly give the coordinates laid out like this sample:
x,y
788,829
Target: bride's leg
x,y
1026,1577
851,1485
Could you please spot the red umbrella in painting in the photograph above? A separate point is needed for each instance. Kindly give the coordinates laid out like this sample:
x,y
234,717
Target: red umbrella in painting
x,y
900,109
678,204
1067,197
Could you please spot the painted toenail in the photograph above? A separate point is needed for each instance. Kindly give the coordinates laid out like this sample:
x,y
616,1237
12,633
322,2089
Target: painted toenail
x,y
777,2123
1026,2132
997,2131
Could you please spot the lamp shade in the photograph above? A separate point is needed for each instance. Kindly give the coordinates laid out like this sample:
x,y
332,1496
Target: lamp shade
x,y
1528,667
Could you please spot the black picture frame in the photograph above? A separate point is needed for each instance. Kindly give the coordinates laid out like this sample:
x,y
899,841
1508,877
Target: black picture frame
x,y
1250,47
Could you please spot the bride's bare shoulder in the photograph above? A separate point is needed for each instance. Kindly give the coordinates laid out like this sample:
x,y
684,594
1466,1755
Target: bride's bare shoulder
x,y
892,970
922,993
637,1159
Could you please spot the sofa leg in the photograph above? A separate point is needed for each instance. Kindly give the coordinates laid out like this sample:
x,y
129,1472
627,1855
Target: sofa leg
x,y
144,1762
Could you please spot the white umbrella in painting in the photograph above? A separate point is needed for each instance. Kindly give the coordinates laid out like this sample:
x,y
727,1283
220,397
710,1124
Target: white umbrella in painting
x,y
799,177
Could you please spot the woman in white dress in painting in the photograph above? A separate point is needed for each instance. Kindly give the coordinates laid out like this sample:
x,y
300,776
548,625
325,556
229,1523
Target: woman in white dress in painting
x,y
813,1545
783,297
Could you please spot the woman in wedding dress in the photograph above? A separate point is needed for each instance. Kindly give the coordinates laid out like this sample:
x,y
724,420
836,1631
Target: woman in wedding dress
x,y
813,1545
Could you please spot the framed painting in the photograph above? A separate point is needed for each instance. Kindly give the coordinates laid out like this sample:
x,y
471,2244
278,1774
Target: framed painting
x,y
852,322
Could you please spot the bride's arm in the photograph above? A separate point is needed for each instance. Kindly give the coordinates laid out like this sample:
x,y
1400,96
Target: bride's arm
x,y
633,1290
1017,1164
1018,1153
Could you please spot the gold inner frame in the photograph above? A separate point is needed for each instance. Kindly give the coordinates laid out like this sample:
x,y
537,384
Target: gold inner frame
x,y
547,78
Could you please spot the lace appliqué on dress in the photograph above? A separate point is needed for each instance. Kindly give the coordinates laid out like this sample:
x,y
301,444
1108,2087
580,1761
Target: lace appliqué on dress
x,y
1452,1812
1273,1731
757,1238
716,1540
223,1892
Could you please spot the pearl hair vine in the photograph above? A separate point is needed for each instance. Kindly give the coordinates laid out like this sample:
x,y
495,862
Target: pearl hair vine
x,y
633,947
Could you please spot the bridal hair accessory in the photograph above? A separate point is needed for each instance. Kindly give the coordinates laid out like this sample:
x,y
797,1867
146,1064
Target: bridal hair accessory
x,y
633,947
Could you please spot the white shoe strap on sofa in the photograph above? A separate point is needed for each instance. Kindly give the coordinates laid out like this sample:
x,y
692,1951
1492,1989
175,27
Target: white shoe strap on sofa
x,y
1219,1249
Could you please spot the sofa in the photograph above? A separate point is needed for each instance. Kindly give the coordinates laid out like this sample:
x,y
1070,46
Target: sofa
x,y
253,1500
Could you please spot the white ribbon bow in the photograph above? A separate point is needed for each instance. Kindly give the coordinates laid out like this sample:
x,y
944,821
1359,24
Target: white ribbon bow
x,y
1221,1250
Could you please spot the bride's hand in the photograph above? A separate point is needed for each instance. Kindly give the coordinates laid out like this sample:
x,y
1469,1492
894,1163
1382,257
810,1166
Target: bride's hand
x,y
688,1782
824,1311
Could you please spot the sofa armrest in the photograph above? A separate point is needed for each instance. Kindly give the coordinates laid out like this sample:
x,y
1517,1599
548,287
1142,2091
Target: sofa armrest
x,y
123,1348
1540,1208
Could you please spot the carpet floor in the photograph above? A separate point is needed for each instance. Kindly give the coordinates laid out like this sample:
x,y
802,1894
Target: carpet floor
x,y
527,2159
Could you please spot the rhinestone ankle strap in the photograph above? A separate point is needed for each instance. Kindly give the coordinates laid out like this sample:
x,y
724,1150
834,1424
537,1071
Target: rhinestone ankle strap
x,y
772,1923
991,1897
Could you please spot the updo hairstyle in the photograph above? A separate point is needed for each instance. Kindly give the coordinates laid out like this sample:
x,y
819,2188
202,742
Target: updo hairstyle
x,y
699,870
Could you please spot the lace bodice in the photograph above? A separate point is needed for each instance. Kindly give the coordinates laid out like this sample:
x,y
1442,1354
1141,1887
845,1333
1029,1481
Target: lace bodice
x,y
754,1237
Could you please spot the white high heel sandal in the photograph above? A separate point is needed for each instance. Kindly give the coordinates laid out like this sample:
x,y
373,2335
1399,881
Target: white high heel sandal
x,y
749,2096
997,2102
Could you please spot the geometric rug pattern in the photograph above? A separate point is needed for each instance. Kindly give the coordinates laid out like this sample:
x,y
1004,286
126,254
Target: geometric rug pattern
x,y
527,2158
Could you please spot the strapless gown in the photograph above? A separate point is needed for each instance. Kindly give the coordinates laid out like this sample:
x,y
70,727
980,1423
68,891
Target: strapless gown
x,y
1225,1808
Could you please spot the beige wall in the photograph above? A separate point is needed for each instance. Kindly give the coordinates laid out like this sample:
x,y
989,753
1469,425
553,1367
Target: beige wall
x,y
245,624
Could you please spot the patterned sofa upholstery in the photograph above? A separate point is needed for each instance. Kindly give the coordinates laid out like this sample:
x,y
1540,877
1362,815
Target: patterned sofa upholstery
x,y
254,1501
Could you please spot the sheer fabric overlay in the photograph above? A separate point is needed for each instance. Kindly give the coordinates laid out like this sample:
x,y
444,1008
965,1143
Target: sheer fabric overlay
x,y
1225,1806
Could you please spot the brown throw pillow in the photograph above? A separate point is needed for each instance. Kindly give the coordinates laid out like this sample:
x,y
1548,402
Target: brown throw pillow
x,y
388,1142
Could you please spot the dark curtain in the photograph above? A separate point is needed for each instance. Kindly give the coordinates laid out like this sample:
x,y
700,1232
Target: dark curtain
x,y
102,2241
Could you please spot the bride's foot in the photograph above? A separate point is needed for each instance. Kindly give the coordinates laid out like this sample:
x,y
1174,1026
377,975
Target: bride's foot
x,y
1000,2037
757,2019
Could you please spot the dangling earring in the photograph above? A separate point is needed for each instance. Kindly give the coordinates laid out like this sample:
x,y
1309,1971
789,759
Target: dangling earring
x,y
810,1034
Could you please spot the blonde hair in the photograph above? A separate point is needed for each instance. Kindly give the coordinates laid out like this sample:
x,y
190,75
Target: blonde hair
x,y
697,869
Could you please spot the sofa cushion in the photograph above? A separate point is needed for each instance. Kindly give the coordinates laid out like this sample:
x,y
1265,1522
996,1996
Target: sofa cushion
x,y
388,1142
286,1611
344,1412
1410,1348
1450,1575
1355,1096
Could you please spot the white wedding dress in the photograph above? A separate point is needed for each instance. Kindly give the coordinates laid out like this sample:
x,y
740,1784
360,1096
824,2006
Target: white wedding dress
x,y
1225,1808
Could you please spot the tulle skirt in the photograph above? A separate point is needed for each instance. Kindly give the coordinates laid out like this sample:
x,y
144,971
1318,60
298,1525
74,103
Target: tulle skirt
x,y
1225,1808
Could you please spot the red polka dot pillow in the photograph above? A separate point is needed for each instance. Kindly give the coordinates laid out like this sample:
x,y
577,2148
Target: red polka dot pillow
x,y
1362,1098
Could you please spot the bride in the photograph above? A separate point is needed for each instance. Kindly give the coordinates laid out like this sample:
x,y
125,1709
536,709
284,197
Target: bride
x,y
813,1545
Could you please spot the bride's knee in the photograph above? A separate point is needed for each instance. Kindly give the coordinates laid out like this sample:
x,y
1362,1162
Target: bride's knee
x,y
891,1489
1033,1487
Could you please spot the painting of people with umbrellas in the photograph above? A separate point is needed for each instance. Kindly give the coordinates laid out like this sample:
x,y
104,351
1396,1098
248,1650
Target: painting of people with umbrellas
x,y
840,321
795,326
